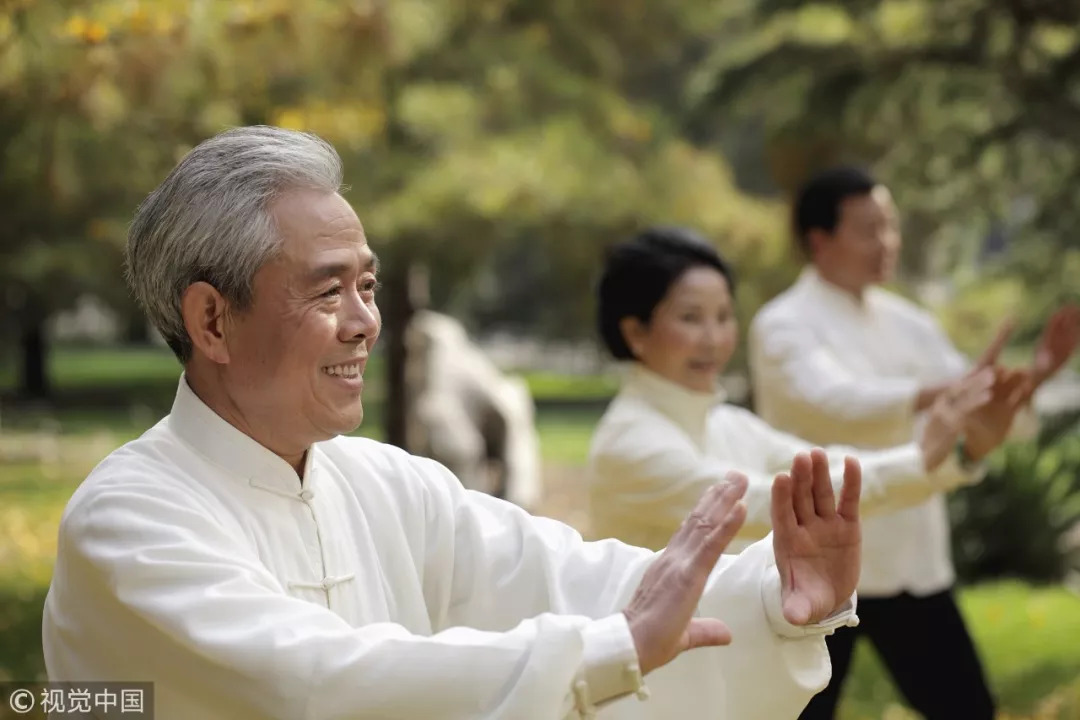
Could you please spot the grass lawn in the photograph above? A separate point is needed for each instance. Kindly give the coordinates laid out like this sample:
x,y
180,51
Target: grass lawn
x,y
1029,637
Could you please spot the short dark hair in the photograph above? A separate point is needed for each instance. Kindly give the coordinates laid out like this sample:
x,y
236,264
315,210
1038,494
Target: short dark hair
x,y
639,272
817,206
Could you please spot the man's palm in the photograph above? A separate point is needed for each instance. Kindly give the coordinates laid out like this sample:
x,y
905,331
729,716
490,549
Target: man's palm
x,y
816,542
1059,341
988,426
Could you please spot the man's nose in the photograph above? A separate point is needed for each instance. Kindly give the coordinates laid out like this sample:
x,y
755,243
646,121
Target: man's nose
x,y
360,321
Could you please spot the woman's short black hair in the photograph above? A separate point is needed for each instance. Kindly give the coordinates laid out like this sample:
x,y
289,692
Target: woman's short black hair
x,y
639,272
817,206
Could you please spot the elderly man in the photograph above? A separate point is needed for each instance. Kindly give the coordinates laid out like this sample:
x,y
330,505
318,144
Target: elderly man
x,y
837,359
253,563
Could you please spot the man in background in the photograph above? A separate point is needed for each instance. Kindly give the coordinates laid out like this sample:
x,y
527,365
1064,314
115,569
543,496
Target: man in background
x,y
838,359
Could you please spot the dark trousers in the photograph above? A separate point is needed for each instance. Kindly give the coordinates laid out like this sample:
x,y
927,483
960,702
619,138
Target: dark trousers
x,y
925,646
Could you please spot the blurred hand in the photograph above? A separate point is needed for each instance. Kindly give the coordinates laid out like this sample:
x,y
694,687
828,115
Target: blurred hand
x,y
990,355
947,417
816,542
930,394
660,614
1057,344
988,426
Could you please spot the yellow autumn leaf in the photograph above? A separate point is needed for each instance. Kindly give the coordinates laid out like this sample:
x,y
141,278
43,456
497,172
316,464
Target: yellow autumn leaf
x,y
290,119
76,26
95,33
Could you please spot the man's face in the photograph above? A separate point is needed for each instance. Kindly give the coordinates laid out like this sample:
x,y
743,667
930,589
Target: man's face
x,y
297,355
863,249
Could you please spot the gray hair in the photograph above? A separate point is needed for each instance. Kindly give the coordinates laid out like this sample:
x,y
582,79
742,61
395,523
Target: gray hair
x,y
210,219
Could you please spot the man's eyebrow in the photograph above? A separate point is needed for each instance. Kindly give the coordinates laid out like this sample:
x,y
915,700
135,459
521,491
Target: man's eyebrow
x,y
326,271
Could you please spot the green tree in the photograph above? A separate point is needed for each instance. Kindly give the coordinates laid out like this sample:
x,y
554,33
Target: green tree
x,y
466,128
967,109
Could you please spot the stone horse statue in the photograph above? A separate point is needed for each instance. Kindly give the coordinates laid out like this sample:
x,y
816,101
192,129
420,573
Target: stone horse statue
x,y
463,412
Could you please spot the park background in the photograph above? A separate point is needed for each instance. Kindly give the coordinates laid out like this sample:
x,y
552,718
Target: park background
x,y
493,148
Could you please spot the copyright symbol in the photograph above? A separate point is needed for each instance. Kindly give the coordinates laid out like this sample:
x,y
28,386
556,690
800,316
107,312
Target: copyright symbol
x,y
21,701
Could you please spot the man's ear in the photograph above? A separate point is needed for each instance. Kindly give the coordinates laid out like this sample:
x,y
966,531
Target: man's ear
x,y
816,240
633,332
203,308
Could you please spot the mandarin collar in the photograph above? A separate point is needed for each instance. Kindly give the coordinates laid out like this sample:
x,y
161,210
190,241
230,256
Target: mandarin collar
x,y
836,297
689,409
240,455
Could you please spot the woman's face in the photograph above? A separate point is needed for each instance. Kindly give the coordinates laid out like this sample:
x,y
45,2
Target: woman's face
x,y
693,331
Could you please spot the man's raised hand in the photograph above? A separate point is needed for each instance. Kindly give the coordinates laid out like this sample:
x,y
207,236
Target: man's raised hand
x,y
817,542
661,612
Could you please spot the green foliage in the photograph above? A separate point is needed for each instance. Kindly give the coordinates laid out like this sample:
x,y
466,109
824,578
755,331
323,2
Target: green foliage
x,y
467,129
967,109
1023,519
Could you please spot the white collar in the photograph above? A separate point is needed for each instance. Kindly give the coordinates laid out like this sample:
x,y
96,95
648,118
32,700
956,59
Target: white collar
x,y
240,455
838,298
689,409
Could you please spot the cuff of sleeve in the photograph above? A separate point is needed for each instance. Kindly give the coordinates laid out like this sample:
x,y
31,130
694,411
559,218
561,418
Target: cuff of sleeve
x,y
610,668
774,609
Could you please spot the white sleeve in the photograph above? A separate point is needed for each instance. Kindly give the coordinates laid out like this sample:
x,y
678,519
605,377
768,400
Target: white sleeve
x,y
644,470
147,571
892,478
771,669
786,357
527,564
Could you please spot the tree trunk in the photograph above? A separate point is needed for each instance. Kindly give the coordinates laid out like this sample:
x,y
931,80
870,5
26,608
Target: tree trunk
x,y
404,292
33,366
397,313
136,331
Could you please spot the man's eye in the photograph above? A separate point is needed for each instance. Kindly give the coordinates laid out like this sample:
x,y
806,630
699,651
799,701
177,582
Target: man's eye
x,y
333,292
370,285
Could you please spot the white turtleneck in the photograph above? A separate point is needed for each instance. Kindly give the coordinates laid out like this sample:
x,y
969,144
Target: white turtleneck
x,y
659,446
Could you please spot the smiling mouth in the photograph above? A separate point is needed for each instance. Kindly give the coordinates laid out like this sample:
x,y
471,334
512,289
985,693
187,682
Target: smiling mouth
x,y
344,371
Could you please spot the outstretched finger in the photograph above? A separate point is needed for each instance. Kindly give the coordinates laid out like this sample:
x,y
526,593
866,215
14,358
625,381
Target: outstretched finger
x,y
782,510
802,477
711,507
713,523
1066,320
1062,331
990,355
824,499
725,531
1071,321
851,490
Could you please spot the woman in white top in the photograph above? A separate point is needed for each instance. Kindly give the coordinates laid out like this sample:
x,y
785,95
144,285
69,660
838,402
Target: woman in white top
x,y
665,306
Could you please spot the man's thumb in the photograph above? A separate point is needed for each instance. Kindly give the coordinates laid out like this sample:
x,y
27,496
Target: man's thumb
x,y
707,632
